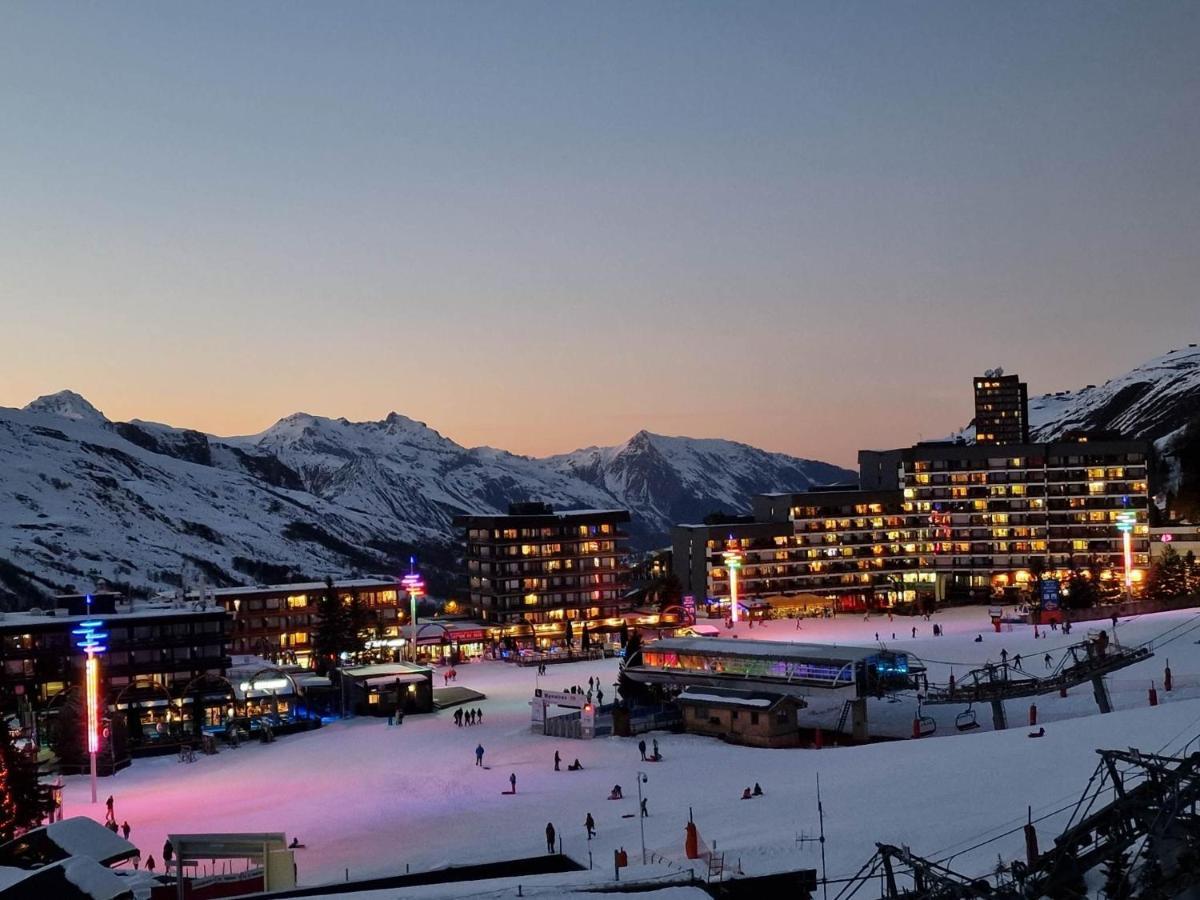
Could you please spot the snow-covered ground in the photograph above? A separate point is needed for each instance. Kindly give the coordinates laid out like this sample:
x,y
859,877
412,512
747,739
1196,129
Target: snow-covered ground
x,y
371,799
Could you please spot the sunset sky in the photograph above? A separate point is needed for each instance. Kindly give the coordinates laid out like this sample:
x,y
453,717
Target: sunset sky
x,y
542,226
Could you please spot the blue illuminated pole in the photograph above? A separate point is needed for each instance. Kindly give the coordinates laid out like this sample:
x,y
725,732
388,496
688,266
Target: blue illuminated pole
x,y
90,641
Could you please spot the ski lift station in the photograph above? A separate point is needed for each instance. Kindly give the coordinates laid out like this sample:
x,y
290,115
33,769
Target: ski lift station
x,y
786,669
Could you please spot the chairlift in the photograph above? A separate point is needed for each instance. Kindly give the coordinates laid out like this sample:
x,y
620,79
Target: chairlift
x,y
966,720
927,726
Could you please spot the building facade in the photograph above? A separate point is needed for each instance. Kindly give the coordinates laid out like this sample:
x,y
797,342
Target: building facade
x,y
534,570
277,621
155,652
1001,409
968,522
992,513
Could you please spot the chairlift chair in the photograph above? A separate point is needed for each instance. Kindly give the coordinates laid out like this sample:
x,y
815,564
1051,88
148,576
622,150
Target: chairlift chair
x,y
927,725
966,720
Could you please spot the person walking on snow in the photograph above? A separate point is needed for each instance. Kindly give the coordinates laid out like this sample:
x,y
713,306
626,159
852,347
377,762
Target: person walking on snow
x,y
479,716
1004,657
479,755
458,717
512,780
168,851
109,806
645,814
657,756
557,760
914,631
150,864
549,837
125,829
590,824
642,749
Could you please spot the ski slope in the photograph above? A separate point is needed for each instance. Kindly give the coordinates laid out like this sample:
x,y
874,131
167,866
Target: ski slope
x,y
369,800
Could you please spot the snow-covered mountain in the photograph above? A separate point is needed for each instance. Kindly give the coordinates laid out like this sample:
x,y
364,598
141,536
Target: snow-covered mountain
x,y
1152,401
83,498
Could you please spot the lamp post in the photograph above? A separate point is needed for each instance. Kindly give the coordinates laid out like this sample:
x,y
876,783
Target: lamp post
x,y
1125,522
415,586
733,562
642,779
90,641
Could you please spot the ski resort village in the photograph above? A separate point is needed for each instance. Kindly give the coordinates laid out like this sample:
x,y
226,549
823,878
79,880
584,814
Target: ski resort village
x,y
969,669
672,449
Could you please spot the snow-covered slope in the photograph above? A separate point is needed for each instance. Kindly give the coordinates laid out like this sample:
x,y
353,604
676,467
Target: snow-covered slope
x,y
675,479
1151,401
83,498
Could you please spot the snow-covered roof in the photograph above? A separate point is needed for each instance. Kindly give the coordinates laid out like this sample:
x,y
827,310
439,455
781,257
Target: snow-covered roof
x,y
76,836
29,619
304,587
771,649
719,697
392,670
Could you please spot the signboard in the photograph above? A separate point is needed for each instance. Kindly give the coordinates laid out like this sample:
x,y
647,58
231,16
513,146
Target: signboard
x,y
467,635
689,607
587,722
1051,597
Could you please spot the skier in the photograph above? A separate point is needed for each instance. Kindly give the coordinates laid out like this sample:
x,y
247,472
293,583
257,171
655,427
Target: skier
x,y
512,780
1017,661
590,824
642,749
557,760
549,837
479,755
1048,663
125,829
1003,657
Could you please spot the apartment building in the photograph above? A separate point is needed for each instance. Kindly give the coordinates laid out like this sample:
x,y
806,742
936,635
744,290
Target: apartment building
x,y
1001,409
535,569
277,621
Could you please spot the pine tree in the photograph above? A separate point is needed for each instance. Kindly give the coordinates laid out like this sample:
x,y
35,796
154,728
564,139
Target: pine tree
x,y
24,800
1168,576
1191,572
1081,590
333,625
357,625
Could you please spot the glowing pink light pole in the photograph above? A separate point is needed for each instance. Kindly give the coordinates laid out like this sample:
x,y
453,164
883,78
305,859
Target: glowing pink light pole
x,y
733,562
1125,522
90,641
415,586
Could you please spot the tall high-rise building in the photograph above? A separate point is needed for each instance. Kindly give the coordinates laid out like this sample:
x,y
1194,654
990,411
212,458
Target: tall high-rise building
x,y
1001,409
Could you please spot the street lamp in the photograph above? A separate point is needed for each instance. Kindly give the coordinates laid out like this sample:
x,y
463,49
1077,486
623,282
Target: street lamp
x,y
90,641
415,586
642,779
733,562
1125,522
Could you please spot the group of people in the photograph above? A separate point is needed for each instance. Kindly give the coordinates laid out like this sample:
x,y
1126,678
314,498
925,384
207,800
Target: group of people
x,y
110,820
576,766
470,717
449,675
655,756
748,794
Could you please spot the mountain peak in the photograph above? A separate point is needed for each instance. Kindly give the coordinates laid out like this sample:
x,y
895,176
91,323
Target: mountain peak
x,y
67,405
